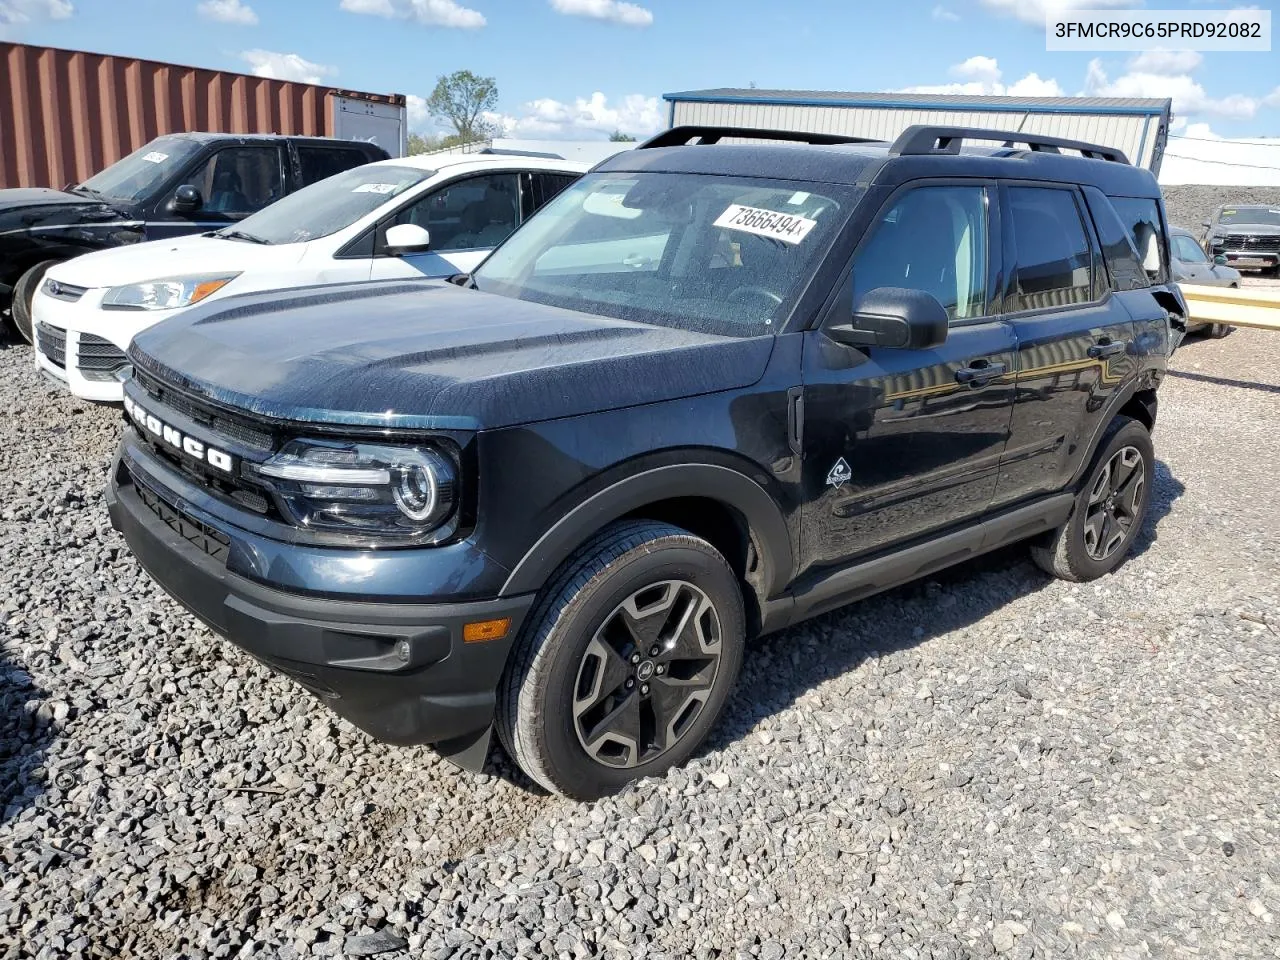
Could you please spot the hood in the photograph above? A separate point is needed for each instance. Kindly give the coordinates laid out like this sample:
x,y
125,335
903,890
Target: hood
x,y
36,198
24,209
427,354
173,258
1252,229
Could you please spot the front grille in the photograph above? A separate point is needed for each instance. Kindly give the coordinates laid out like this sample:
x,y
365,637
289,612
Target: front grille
x,y
99,359
53,344
204,414
213,542
1244,241
64,291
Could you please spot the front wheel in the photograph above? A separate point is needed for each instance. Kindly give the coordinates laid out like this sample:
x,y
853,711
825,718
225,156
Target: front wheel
x,y
1109,509
625,664
23,292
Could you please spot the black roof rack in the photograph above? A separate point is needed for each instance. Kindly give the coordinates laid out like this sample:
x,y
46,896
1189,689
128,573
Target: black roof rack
x,y
680,136
924,140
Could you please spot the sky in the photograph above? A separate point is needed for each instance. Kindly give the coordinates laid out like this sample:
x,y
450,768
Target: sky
x,y
580,69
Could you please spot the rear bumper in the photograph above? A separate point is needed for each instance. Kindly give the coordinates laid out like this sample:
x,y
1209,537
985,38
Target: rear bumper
x,y
400,671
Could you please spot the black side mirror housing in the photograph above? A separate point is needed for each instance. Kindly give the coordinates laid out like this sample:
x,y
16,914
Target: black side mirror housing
x,y
894,317
186,199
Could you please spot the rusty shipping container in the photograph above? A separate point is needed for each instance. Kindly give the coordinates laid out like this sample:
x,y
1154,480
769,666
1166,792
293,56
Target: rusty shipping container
x,y
65,114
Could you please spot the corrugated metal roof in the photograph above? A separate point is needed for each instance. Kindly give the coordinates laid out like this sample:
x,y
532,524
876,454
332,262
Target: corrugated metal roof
x,y
926,101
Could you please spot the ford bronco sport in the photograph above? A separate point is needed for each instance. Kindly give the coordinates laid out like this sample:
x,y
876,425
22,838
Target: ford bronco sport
x,y
710,390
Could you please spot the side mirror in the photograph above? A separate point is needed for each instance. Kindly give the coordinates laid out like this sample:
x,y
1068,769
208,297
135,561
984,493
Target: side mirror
x,y
894,317
1205,223
407,238
186,199
1220,260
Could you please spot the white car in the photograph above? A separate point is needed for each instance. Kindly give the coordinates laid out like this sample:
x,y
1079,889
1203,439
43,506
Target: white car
x,y
413,217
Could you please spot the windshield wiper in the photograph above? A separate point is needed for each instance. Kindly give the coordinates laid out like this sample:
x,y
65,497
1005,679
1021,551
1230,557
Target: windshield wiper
x,y
81,188
240,235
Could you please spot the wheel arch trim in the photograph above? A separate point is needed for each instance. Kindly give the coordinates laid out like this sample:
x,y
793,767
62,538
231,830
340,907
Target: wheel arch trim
x,y
764,520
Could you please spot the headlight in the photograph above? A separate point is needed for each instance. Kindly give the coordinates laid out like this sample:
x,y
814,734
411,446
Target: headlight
x,y
165,294
391,493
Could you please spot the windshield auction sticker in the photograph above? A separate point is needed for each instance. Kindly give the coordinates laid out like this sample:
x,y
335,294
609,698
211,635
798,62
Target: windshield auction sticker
x,y
786,227
383,188
156,157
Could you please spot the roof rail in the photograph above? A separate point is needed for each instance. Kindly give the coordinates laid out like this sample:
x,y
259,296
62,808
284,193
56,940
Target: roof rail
x,y
504,152
925,140
680,136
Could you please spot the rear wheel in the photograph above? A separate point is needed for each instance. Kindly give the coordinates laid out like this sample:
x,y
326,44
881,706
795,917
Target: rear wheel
x,y
625,665
23,291
1217,331
1109,509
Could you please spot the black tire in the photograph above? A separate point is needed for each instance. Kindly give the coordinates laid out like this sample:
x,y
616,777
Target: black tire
x,y
1217,331
23,291
544,678
1067,552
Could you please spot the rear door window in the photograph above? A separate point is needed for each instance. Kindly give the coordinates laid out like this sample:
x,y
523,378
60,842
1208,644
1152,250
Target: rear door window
x,y
319,163
1052,250
1187,250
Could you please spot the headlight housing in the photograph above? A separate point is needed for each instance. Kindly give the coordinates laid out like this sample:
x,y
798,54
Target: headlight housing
x,y
167,294
387,493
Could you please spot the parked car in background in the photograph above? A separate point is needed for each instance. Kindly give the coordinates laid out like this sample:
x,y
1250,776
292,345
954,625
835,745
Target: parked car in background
x,y
427,216
709,391
1190,264
1248,236
176,185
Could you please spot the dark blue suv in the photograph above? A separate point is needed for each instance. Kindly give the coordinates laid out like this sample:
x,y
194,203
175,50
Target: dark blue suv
x,y
710,390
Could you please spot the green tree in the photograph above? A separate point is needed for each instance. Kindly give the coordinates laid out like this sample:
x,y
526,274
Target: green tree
x,y
619,137
420,144
461,98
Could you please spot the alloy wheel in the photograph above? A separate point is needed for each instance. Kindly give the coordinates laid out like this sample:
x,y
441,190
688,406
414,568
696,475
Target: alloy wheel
x,y
646,674
1115,503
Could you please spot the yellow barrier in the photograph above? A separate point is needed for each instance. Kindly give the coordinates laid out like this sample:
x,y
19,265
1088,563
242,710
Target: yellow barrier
x,y
1245,307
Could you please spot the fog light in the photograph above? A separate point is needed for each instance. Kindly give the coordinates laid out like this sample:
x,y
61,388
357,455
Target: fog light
x,y
486,630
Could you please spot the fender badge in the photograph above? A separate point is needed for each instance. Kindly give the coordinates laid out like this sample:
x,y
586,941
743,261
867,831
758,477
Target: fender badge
x,y
840,474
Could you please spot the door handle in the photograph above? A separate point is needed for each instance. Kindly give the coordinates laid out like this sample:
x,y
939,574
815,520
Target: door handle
x,y
1108,348
980,371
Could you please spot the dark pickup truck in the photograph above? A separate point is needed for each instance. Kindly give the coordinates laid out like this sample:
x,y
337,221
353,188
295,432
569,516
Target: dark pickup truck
x,y
175,185
708,391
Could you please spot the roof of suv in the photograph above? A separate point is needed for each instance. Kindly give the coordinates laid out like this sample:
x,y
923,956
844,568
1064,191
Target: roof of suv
x,y
486,161
867,163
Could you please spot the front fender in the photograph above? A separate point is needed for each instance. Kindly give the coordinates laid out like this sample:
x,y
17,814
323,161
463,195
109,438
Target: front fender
x,y
751,501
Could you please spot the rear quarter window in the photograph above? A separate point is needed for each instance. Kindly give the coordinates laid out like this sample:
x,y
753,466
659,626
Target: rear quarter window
x,y
1118,250
1141,218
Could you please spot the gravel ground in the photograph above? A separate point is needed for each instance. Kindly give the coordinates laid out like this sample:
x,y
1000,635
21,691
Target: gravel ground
x,y
1190,206
986,763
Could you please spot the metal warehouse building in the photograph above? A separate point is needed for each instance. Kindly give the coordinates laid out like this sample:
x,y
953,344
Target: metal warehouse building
x,y
1139,127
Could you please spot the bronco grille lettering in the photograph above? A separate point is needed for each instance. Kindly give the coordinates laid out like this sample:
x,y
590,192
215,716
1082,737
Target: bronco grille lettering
x,y
196,449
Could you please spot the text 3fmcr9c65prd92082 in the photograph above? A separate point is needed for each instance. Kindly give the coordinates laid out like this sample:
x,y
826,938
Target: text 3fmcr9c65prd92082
x,y
710,390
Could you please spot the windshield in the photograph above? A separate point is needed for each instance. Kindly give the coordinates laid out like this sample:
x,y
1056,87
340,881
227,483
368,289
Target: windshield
x,y
144,171
331,205
1269,216
723,255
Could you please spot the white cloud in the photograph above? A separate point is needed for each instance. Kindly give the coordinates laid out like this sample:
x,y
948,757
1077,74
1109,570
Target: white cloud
x,y
1034,12
587,118
946,16
981,77
286,66
1188,96
16,13
982,69
1272,99
228,11
615,11
429,13
1166,62
419,115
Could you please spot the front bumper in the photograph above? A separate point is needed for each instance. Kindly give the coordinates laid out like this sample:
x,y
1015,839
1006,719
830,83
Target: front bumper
x,y
1250,259
400,671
